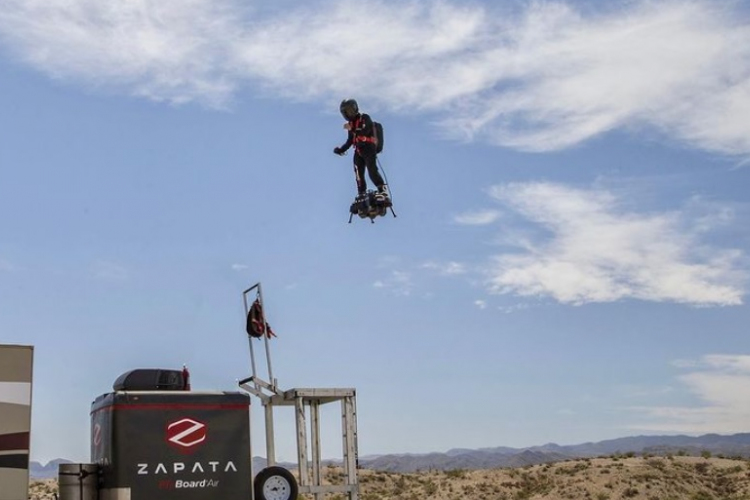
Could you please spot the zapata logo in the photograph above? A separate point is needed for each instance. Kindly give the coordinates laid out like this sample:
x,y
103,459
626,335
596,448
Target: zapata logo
x,y
97,438
186,434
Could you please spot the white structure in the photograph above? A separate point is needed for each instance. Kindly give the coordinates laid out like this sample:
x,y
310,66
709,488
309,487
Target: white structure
x,y
306,401
16,368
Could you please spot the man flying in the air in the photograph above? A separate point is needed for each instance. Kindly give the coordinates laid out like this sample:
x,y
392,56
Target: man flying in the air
x,y
364,139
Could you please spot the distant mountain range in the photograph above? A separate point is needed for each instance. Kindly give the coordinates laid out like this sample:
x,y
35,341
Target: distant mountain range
x,y
715,443
488,458
47,471
735,445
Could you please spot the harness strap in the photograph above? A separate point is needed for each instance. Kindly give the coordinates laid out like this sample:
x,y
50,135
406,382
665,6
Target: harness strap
x,y
364,138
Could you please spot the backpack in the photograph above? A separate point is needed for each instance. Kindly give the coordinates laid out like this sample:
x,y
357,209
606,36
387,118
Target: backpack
x,y
256,321
378,130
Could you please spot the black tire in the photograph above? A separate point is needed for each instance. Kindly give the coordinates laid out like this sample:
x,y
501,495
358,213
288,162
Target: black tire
x,y
275,483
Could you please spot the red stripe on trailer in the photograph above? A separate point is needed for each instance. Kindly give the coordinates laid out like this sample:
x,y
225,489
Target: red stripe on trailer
x,y
171,406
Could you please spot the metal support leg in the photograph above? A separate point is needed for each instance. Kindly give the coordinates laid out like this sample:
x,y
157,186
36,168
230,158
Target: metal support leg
x,y
270,447
350,448
304,478
315,444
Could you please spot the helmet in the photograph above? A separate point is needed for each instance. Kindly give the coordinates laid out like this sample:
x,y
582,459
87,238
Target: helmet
x,y
349,109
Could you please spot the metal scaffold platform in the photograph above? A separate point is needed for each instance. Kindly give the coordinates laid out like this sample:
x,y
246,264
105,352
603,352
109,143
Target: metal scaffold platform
x,y
306,403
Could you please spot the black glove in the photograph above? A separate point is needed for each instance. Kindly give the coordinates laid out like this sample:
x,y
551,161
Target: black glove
x,y
337,150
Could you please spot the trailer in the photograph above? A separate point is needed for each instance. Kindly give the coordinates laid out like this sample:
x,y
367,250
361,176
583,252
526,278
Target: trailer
x,y
152,437
165,441
16,370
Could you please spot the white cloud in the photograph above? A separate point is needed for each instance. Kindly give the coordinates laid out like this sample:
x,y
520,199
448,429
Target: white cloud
x,y
539,77
109,271
720,382
594,250
513,308
446,268
481,304
477,218
399,283
728,363
173,50
647,391
388,261
239,267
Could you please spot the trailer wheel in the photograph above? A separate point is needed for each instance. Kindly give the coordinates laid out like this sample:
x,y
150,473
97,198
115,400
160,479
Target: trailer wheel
x,y
275,483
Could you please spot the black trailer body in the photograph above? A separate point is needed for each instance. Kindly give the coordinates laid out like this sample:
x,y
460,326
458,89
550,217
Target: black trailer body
x,y
172,445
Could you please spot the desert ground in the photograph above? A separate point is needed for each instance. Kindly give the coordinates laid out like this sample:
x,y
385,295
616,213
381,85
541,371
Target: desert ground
x,y
607,478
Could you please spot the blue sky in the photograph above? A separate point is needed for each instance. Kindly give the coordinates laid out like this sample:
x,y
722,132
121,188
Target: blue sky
x,y
570,257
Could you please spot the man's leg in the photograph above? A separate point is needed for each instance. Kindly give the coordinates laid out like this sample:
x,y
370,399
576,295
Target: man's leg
x,y
359,173
371,160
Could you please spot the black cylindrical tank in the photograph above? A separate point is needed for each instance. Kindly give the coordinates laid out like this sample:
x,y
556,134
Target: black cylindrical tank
x,y
78,481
